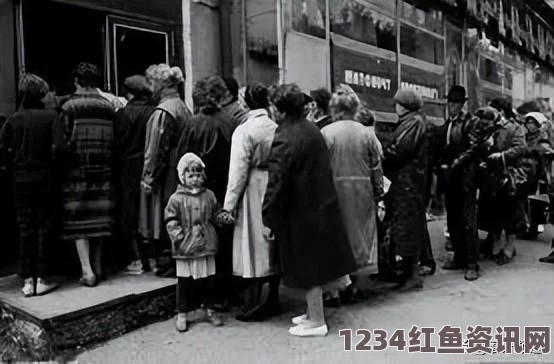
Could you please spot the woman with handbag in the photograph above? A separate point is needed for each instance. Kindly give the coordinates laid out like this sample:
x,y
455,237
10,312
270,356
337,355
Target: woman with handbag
x,y
500,205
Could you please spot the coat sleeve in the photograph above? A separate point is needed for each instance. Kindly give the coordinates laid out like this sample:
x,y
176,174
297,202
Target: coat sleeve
x,y
173,221
157,148
518,147
404,145
376,168
239,168
279,165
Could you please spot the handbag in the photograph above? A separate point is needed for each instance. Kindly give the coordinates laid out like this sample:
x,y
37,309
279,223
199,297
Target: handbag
x,y
514,178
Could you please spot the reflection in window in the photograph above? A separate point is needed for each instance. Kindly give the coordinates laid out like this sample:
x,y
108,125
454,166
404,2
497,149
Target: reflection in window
x,y
421,45
419,15
308,16
357,21
454,56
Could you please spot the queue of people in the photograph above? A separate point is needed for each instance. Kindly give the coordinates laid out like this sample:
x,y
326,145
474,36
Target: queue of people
x,y
267,184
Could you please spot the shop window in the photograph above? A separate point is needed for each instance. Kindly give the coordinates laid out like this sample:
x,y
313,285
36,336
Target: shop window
x,y
421,45
261,37
308,16
361,21
454,64
490,71
508,78
418,13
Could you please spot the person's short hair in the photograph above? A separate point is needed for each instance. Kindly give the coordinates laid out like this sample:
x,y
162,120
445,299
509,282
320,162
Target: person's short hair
x,y
210,94
33,87
256,97
322,98
365,116
87,75
289,99
503,104
138,85
344,103
232,86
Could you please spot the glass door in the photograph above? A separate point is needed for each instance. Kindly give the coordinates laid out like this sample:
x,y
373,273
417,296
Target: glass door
x,y
134,46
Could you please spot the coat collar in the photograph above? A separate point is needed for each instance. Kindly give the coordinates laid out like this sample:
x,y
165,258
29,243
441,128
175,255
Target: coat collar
x,y
258,113
182,189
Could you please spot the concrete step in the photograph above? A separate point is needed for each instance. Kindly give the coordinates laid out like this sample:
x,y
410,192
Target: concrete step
x,y
40,328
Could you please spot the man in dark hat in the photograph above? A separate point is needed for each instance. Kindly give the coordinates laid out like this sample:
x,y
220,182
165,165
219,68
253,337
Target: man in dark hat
x,y
461,193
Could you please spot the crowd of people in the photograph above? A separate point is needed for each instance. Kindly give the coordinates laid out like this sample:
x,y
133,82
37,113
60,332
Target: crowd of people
x,y
267,184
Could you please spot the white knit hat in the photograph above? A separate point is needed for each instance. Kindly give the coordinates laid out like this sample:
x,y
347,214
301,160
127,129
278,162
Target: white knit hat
x,y
186,162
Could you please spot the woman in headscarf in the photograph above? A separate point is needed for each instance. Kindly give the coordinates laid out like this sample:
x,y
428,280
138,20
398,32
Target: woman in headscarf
x,y
355,155
405,164
130,136
26,138
301,208
84,138
254,257
500,205
208,135
159,177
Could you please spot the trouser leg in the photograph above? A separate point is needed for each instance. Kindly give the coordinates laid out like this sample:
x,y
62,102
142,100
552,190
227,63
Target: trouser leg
x,y
44,223
455,222
471,234
28,242
187,295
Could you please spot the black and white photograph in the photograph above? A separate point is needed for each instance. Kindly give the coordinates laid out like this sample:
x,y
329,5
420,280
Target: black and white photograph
x,y
276,181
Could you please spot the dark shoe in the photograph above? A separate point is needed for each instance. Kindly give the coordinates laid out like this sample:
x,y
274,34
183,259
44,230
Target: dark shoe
x,y
224,306
471,274
260,313
213,317
452,265
548,259
503,259
348,296
166,273
408,285
448,246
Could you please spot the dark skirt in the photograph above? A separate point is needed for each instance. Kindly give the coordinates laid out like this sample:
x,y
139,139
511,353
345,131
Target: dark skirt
x,y
499,211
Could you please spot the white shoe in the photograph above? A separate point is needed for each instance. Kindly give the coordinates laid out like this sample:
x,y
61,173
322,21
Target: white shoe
x,y
135,268
303,331
181,322
540,229
28,289
446,233
299,319
43,286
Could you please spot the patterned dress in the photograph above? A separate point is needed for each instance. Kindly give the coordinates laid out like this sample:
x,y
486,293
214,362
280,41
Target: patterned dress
x,y
84,134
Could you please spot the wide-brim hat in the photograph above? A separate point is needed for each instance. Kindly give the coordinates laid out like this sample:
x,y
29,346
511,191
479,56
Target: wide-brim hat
x,y
457,94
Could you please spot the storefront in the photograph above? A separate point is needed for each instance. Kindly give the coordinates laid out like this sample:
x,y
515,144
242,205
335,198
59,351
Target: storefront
x,y
52,36
377,46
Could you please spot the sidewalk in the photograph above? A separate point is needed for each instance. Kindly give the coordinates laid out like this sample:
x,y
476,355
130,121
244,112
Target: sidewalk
x,y
518,294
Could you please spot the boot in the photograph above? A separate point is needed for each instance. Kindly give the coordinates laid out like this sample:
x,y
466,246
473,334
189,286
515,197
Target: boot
x,y
411,279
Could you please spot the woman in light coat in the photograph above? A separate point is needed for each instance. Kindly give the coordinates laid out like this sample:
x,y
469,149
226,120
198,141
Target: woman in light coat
x,y
254,257
355,155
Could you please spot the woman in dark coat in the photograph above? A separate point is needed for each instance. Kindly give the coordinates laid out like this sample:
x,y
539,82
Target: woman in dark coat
x,y
208,135
26,138
405,164
130,136
301,208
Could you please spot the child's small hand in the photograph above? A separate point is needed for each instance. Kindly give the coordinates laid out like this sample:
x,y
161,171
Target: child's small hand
x,y
268,234
225,218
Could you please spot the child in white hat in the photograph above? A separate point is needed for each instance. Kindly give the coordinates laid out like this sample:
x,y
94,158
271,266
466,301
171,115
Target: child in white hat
x,y
190,216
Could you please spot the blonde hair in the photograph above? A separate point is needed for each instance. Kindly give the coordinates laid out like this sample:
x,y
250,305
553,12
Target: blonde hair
x,y
344,103
166,75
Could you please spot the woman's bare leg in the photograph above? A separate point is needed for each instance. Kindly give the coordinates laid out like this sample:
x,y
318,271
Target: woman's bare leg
x,y
316,314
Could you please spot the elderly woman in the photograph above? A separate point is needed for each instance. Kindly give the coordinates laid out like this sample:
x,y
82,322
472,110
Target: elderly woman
x,y
355,155
500,205
405,164
208,135
27,139
254,257
163,129
130,132
301,208
84,138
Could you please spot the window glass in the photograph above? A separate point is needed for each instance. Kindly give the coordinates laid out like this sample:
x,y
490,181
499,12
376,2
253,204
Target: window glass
x,y
508,78
454,55
417,13
360,21
308,16
490,71
421,45
262,62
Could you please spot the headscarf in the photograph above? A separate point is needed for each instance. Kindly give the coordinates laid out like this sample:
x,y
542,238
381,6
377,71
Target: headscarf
x,y
186,163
